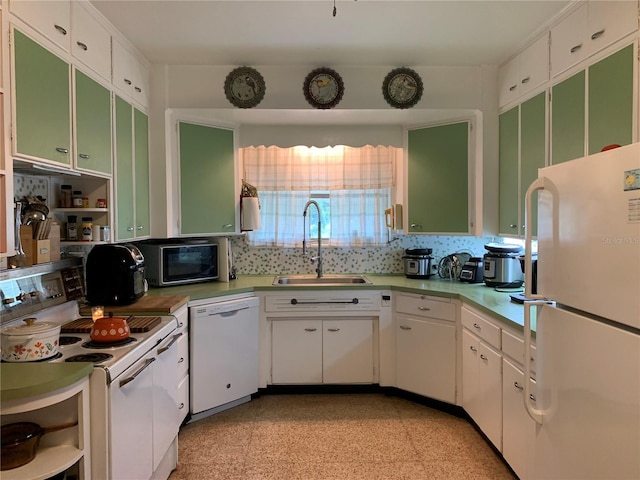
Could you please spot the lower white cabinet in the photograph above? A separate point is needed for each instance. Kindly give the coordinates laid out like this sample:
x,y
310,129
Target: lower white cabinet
x,y
182,315
482,385
426,357
518,428
322,351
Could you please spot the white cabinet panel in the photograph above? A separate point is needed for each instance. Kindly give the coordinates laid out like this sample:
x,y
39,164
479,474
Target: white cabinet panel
x,y
90,41
129,75
52,18
296,351
424,306
426,358
480,326
347,351
525,72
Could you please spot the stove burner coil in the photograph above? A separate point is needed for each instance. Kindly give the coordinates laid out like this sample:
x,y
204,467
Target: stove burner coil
x,y
95,357
97,345
68,340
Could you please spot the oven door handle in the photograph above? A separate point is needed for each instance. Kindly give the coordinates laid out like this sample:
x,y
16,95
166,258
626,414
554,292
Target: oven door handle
x,y
147,362
168,345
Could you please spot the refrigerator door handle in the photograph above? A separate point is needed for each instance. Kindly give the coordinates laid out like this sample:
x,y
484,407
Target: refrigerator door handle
x,y
533,412
540,183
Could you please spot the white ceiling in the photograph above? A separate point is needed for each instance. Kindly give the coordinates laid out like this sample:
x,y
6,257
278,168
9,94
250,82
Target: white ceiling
x,y
304,32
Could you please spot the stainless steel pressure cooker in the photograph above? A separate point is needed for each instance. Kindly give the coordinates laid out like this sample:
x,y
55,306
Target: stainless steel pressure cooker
x,y
502,266
417,262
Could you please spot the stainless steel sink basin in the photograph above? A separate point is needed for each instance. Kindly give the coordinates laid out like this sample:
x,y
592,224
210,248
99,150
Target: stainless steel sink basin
x,y
292,280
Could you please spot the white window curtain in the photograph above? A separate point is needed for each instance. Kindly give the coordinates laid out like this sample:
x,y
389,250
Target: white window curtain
x,y
359,182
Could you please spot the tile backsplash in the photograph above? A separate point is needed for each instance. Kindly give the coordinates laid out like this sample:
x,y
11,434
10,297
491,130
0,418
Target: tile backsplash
x,y
337,260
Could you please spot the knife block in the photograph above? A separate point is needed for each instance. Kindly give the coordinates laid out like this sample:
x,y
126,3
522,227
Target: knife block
x,y
35,251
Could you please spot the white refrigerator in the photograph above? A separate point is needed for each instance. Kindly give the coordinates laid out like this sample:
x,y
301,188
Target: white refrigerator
x,y
587,391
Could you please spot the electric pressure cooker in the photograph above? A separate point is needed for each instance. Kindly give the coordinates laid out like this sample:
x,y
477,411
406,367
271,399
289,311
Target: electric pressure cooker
x,y
417,262
502,266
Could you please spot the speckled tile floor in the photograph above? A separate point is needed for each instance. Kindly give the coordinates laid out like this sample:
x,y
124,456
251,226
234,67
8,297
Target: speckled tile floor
x,y
334,437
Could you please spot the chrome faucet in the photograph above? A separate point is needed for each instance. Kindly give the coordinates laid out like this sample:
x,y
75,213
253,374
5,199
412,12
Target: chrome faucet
x,y
304,238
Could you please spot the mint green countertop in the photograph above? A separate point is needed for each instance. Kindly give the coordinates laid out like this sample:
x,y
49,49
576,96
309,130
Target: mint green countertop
x,y
485,299
24,380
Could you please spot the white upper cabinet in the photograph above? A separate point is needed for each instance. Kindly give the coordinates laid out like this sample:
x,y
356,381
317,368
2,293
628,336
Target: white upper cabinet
x,y
525,72
129,74
90,41
52,18
590,28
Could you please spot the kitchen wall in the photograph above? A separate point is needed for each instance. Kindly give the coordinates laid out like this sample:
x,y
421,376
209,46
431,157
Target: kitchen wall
x,y
382,260
199,88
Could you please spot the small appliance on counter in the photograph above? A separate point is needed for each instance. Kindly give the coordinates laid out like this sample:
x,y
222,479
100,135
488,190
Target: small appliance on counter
x,y
520,297
502,266
417,262
115,274
472,271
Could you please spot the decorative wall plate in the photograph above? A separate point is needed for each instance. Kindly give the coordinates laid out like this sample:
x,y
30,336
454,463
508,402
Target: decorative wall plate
x,y
244,87
323,88
402,88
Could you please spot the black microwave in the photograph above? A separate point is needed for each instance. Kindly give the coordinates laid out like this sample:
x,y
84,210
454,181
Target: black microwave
x,y
179,263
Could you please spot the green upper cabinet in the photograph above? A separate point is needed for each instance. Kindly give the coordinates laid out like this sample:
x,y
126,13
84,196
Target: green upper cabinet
x,y
92,125
509,152
124,170
523,147
568,119
207,180
132,172
533,148
42,103
141,158
585,120
611,101
438,179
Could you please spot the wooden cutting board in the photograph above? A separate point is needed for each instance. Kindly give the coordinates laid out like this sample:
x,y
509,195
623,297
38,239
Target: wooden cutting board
x,y
159,304
136,325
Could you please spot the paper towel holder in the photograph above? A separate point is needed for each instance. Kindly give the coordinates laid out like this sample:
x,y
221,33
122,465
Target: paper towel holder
x,y
249,208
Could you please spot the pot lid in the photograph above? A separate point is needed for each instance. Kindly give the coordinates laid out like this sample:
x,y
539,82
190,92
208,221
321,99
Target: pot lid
x,y
503,248
31,328
418,251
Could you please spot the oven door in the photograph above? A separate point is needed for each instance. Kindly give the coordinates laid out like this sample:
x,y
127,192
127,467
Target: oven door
x,y
132,421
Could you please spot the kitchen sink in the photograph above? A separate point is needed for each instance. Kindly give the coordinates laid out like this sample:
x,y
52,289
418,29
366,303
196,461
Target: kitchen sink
x,y
325,280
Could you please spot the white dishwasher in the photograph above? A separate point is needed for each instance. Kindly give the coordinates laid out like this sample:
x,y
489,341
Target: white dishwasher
x,y
224,353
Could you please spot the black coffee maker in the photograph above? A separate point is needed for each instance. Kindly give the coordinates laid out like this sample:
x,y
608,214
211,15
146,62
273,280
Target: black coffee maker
x,y
115,274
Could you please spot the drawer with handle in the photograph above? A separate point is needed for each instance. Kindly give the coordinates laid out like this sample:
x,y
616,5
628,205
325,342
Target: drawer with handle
x,y
474,322
424,306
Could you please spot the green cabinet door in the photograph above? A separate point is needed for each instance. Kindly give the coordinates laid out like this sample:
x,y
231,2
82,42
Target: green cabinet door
x,y
141,160
509,148
532,150
93,125
438,187
42,102
207,193
611,100
568,119
124,170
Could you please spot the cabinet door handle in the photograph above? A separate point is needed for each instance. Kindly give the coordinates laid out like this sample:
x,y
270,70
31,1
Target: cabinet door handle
x,y
61,29
576,48
416,225
140,227
518,386
476,326
180,324
473,349
532,397
147,362
181,359
513,225
526,80
483,357
84,156
310,329
127,81
424,309
168,345
129,229
333,329
404,327
227,225
62,150
512,88
83,46
138,89
181,406
597,35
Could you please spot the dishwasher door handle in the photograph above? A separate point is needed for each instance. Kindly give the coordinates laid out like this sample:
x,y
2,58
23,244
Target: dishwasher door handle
x,y
353,301
228,313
